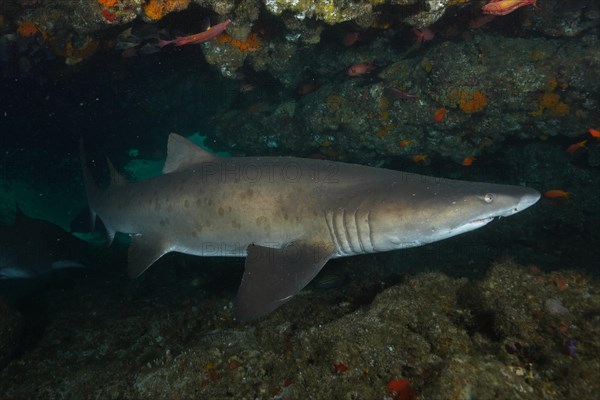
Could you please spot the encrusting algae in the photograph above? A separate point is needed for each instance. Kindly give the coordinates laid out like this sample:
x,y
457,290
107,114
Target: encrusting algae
x,y
27,29
469,101
384,117
252,42
551,101
473,102
108,3
156,9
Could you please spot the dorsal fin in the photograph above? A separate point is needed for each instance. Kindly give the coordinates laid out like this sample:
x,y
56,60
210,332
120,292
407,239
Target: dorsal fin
x,y
20,216
182,154
116,179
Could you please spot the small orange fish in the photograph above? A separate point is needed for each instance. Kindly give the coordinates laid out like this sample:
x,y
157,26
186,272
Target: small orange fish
x,y
350,38
576,146
423,35
594,132
360,69
247,87
307,87
420,158
468,161
503,7
481,21
439,114
404,143
557,194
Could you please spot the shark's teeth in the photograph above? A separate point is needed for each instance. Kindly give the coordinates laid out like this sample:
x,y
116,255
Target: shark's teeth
x,y
482,221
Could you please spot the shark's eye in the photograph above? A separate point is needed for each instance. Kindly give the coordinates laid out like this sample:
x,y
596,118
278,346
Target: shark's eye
x,y
488,198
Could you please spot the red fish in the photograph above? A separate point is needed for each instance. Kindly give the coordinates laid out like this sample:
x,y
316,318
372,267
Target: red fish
x,y
481,21
503,7
576,146
350,38
594,132
423,35
439,114
247,87
557,194
197,38
361,69
468,161
419,158
307,87
400,94
404,143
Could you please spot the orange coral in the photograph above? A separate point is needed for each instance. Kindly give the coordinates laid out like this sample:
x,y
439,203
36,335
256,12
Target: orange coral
x,y
552,84
108,15
551,101
27,29
561,109
383,106
156,9
472,102
108,3
252,43
537,55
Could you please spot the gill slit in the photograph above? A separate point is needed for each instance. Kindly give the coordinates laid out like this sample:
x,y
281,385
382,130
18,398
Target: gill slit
x,y
358,232
331,228
347,232
370,231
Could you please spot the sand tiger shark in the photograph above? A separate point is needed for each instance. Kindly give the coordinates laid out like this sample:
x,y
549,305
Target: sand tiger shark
x,y
288,216
30,248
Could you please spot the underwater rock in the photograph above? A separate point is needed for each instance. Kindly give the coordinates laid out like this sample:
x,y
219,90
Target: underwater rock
x,y
10,332
448,337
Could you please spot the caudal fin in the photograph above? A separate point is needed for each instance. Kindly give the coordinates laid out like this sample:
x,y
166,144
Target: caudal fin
x,y
162,43
91,189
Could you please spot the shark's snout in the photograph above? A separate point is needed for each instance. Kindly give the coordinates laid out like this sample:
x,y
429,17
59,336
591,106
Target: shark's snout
x,y
504,204
517,201
528,199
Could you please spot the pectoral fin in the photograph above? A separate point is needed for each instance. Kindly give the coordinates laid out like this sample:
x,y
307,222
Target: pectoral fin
x,y
274,276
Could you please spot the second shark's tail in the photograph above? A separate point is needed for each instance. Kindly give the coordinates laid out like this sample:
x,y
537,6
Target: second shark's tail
x,y
91,189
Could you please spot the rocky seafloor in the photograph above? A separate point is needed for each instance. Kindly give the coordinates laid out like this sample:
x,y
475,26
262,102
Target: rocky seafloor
x,y
518,333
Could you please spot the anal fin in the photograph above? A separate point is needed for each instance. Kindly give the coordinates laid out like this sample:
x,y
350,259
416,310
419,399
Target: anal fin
x,y
144,250
274,276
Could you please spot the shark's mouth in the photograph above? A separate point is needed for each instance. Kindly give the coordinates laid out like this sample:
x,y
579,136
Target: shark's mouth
x,y
481,222
469,226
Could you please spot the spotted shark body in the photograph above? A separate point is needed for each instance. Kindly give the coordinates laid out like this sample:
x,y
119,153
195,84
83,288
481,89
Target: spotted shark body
x,y
288,216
